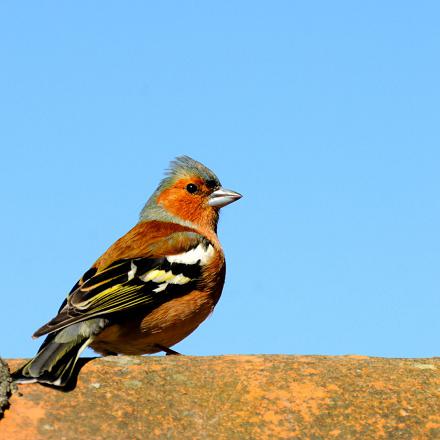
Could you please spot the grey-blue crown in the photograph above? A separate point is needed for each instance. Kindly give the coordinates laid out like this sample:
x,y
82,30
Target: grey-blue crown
x,y
185,166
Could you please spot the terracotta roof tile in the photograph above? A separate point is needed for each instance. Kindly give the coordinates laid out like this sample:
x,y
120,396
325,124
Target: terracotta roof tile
x,y
234,397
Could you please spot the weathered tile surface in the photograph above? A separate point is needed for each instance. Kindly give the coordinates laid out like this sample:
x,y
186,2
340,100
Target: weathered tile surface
x,y
234,397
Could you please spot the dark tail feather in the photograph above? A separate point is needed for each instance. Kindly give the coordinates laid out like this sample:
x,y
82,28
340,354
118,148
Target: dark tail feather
x,y
54,362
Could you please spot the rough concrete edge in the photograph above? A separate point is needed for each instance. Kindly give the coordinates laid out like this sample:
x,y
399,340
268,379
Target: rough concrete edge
x,y
5,386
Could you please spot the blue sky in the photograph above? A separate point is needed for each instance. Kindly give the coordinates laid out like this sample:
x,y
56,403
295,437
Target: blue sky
x,y
324,115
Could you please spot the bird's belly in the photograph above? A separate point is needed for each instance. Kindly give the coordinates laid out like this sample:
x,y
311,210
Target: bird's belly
x,y
167,325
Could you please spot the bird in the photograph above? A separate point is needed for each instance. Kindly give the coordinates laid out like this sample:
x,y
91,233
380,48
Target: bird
x,y
151,288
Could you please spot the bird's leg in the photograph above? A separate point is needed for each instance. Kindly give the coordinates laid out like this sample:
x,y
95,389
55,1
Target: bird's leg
x,y
108,353
168,351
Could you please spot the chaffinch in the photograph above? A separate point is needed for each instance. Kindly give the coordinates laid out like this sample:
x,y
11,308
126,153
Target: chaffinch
x,y
152,288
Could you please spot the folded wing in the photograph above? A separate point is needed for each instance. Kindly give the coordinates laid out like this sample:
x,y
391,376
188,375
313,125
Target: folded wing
x,y
134,282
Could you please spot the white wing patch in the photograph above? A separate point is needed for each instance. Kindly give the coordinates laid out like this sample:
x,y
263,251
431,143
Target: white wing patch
x,y
164,278
194,256
132,271
200,255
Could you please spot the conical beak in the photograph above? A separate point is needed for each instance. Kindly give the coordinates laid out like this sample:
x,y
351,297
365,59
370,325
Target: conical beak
x,y
222,197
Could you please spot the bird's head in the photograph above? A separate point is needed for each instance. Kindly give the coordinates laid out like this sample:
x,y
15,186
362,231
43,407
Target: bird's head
x,y
190,194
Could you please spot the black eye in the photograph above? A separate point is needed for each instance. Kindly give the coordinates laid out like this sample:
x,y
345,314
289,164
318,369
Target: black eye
x,y
191,188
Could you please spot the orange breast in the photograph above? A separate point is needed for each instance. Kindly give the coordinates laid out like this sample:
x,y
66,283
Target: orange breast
x,y
167,325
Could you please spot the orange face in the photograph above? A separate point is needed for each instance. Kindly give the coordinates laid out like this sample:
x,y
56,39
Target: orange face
x,y
188,199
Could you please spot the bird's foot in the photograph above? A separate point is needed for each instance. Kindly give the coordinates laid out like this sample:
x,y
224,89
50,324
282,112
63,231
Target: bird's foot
x,y
168,351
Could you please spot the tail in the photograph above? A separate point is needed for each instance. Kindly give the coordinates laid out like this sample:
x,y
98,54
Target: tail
x,y
55,361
